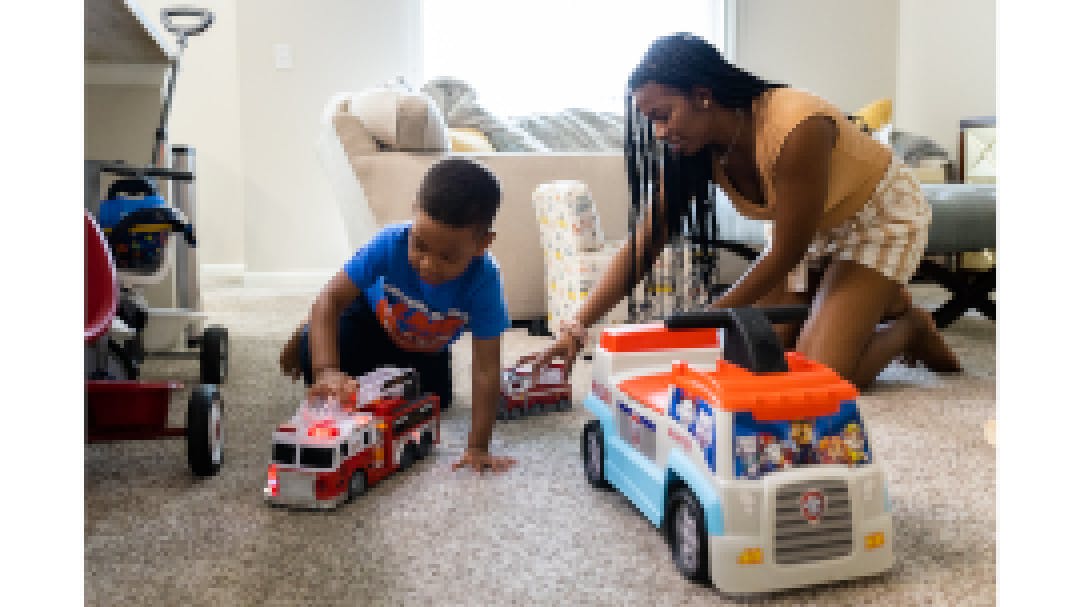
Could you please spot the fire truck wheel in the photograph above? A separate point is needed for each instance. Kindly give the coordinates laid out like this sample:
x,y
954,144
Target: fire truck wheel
x,y
427,442
563,405
536,408
514,413
214,355
592,454
686,529
357,484
205,430
500,411
408,456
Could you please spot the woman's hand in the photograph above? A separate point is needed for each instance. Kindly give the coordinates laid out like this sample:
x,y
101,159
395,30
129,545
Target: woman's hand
x,y
568,344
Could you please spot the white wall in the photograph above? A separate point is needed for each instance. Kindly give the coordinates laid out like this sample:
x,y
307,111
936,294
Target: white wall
x,y
291,222
264,203
842,50
945,66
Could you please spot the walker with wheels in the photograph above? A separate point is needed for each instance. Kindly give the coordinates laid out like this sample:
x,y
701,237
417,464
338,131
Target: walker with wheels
x,y
129,246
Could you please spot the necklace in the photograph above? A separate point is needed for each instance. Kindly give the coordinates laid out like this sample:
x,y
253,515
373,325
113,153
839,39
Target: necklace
x,y
731,144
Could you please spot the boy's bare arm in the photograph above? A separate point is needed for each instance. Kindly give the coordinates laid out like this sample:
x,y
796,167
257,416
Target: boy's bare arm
x,y
486,368
325,316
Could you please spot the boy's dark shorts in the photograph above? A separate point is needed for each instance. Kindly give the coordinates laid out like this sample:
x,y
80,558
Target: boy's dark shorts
x,y
364,346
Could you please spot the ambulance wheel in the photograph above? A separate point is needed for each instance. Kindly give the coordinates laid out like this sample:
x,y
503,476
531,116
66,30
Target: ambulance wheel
x,y
592,454
357,484
205,430
214,355
408,456
689,544
427,442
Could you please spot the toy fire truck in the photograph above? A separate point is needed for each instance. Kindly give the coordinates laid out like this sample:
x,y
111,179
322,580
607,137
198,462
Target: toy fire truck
x,y
329,453
524,392
755,464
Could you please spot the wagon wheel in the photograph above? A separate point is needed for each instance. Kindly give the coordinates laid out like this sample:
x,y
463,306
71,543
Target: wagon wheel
x,y
214,355
205,431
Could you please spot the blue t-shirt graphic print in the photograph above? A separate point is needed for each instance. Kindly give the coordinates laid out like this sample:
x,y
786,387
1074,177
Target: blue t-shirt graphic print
x,y
420,317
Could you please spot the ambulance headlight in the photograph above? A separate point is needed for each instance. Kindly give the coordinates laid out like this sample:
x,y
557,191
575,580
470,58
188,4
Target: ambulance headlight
x,y
871,490
743,510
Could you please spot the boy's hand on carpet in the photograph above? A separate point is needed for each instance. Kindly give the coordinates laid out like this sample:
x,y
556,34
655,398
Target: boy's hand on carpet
x,y
482,460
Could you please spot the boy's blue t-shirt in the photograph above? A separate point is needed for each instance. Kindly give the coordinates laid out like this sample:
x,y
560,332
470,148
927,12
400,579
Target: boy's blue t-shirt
x,y
422,317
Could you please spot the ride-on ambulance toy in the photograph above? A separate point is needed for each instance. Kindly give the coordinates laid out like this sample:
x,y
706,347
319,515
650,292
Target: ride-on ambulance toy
x,y
755,464
330,453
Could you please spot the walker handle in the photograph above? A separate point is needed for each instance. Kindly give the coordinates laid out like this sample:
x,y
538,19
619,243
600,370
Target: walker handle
x,y
204,19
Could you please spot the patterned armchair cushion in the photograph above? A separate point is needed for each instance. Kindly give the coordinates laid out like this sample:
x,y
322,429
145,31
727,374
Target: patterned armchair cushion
x,y
575,252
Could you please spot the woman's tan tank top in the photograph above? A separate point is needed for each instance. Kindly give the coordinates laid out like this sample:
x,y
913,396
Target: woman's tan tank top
x,y
857,165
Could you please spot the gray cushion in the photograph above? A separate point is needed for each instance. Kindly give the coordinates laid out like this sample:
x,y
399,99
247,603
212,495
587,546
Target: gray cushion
x,y
965,219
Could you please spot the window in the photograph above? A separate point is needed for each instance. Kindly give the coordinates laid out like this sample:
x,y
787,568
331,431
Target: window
x,y
558,54
284,453
316,457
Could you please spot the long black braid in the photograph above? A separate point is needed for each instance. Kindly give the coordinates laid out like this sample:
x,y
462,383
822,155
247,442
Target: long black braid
x,y
681,61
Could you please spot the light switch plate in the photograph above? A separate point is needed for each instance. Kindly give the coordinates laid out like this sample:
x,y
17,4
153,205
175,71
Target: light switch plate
x,y
283,59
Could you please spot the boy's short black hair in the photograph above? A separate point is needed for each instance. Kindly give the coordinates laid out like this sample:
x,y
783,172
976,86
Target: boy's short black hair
x,y
460,193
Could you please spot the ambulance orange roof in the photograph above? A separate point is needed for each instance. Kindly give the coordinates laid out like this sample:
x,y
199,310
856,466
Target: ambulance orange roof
x,y
807,389
654,336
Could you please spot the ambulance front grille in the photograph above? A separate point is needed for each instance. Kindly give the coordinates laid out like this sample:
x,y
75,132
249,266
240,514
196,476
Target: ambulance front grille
x,y
797,540
296,487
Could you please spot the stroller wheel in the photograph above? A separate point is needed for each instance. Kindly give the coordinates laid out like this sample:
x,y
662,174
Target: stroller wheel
x,y
214,356
205,430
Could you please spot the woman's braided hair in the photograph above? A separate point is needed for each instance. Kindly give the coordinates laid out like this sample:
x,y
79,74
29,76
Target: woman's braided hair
x,y
681,61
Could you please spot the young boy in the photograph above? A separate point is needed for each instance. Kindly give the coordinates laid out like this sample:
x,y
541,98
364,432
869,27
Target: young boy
x,y
406,295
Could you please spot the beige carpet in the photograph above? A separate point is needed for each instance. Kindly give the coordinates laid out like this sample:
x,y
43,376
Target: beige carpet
x,y
538,535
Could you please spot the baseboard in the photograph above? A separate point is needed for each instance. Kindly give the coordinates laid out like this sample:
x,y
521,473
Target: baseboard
x,y
310,280
234,276
221,275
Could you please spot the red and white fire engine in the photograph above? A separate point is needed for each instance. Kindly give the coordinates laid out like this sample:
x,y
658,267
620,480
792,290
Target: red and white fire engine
x,y
523,392
329,453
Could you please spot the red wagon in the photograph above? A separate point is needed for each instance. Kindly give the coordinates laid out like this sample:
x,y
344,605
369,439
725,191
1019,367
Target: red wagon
x,y
131,409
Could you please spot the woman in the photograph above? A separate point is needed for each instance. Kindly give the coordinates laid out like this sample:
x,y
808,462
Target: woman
x,y
842,210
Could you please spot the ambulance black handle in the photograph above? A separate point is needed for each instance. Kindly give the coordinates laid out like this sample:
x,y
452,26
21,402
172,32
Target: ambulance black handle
x,y
749,338
722,318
